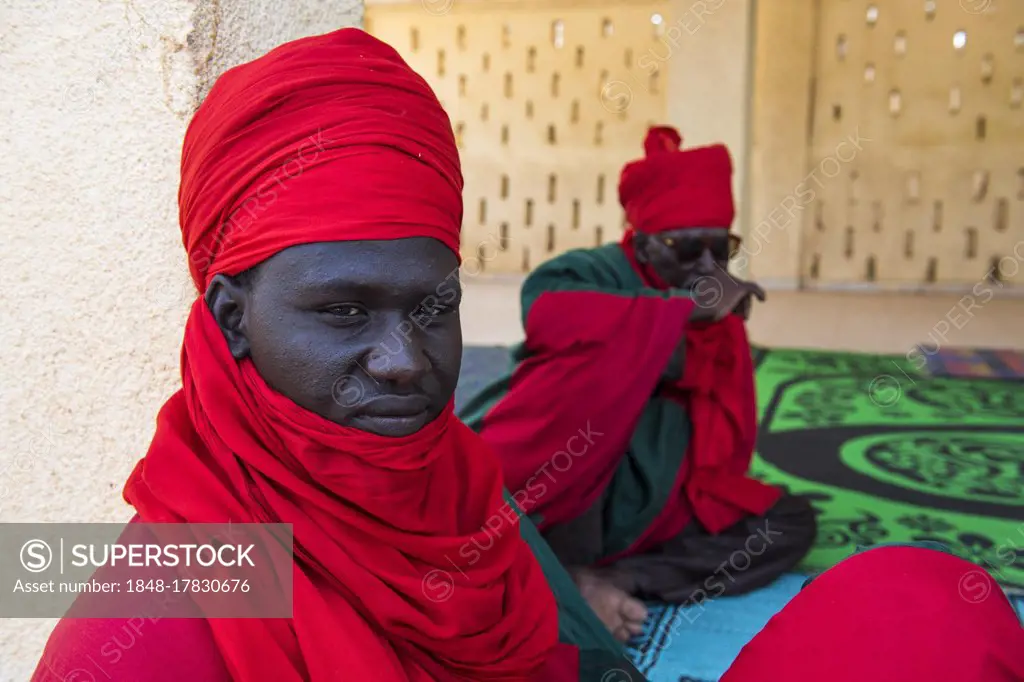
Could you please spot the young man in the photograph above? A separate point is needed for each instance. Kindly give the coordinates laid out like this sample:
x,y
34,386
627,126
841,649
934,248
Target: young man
x,y
320,205
628,422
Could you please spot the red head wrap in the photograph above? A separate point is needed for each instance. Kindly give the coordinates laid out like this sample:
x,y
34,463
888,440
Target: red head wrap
x,y
890,613
328,138
324,139
673,188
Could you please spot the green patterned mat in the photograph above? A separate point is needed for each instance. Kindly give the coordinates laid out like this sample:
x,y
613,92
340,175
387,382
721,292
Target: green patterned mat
x,y
892,455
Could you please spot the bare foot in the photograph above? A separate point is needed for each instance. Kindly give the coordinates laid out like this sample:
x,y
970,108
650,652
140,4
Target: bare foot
x,y
622,614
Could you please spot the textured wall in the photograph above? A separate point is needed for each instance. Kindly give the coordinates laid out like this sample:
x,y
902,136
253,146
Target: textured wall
x,y
548,100
95,100
709,49
779,155
229,32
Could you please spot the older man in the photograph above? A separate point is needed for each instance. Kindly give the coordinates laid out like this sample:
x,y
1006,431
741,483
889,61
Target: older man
x,y
628,423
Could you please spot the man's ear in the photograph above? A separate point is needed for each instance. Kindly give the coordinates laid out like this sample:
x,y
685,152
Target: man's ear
x,y
640,242
227,299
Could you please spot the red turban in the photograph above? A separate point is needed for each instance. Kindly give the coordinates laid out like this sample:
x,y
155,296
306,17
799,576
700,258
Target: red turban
x,y
672,188
903,614
327,138
324,139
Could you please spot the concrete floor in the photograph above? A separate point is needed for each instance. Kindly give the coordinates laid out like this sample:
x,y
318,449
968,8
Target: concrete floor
x,y
876,323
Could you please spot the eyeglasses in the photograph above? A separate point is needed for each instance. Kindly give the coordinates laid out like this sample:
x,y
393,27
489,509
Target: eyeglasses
x,y
689,249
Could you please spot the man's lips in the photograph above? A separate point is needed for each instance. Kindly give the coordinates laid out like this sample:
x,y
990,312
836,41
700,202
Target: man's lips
x,y
395,406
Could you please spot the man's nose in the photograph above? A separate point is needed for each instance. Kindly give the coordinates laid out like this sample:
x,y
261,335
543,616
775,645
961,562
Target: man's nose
x,y
400,356
706,261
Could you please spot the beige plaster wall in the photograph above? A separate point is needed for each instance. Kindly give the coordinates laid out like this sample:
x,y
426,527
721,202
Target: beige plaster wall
x,y
95,100
709,84
548,100
779,154
691,68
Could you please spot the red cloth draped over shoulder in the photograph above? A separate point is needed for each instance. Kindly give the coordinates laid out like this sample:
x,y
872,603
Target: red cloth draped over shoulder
x,y
572,405
890,614
335,138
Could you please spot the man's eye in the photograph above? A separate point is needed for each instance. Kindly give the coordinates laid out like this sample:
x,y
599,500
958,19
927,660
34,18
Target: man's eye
x,y
434,310
345,311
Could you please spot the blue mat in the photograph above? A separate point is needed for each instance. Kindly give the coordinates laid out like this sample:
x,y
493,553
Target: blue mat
x,y
699,643
692,644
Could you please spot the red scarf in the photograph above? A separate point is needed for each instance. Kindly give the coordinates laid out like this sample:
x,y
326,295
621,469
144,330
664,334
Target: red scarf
x,y
324,139
373,517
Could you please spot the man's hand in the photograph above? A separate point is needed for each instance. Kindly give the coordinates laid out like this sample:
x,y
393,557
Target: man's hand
x,y
719,294
743,309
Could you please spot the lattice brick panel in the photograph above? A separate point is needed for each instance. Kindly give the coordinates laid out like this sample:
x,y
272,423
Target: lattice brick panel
x,y
548,101
935,193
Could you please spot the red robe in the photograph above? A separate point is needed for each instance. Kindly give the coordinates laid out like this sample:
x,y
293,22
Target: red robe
x,y
594,413
890,614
